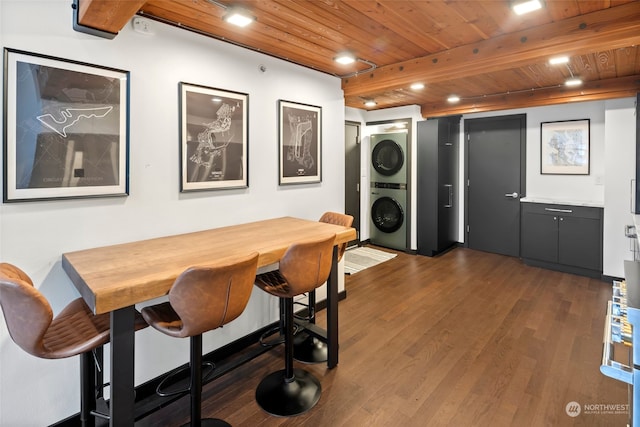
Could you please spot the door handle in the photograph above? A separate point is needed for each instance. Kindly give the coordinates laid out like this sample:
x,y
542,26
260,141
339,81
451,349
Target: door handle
x,y
513,195
450,191
558,210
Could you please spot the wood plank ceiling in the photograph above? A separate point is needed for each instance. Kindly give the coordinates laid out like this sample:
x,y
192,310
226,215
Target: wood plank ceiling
x,y
477,49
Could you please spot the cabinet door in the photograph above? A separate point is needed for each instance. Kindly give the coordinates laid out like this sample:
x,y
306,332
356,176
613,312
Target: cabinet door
x,y
448,141
446,189
427,187
579,241
437,184
540,237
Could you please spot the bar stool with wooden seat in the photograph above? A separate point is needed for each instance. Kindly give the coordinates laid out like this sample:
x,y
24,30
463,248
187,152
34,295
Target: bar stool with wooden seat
x,y
304,267
202,299
74,331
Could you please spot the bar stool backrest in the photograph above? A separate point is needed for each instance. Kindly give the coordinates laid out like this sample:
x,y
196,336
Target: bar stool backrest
x,y
206,298
306,265
26,311
337,218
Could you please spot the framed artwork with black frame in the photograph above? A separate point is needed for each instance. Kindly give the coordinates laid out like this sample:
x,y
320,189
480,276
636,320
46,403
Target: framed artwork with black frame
x,y
564,147
214,138
66,128
300,143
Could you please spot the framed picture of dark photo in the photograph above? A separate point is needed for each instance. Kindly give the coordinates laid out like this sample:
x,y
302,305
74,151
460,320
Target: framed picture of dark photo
x,y
564,147
66,129
214,138
300,143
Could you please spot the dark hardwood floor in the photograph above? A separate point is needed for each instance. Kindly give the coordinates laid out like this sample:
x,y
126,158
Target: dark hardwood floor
x,y
464,339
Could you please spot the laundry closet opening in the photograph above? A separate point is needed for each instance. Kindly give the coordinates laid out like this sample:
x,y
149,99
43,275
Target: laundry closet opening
x,y
390,184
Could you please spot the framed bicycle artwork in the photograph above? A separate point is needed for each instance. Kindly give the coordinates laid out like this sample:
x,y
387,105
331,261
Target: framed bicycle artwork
x,y
300,143
214,139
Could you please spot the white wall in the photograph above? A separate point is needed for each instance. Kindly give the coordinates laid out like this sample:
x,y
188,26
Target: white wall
x,y
620,166
35,234
570,187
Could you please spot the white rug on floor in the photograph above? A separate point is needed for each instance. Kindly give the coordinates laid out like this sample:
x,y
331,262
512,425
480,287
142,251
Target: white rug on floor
x,y
358,259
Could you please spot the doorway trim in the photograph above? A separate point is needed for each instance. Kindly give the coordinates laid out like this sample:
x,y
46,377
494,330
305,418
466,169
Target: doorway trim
x,y
356,205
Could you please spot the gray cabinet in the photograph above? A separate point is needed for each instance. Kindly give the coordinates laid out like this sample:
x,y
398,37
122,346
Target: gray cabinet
x,y
562,237
437,184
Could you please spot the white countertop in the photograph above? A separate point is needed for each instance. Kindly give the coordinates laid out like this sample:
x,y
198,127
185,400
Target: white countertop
x,y
562,202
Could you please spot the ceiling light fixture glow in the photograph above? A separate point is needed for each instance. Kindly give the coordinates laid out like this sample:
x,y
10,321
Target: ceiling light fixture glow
x,y
453,99
559,60
345,58
417,86
370,103
238,17
523,7
574,81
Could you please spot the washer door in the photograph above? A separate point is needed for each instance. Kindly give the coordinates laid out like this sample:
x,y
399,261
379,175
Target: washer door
x,y
387,157
387,214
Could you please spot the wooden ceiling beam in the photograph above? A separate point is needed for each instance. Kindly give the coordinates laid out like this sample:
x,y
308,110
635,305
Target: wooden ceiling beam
x,y
612,28
107,15
591,91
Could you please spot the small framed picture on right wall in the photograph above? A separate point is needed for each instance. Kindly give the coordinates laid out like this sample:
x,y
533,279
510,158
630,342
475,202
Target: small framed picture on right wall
x,y
564,147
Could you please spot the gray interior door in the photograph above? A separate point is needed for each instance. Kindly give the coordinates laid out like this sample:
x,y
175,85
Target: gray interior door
x,y
495,182
352,174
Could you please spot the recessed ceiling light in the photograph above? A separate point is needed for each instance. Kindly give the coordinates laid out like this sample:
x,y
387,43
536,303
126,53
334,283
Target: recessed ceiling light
x,y
370,103
238,17
527,6
559,60
574,81
453,98
417,86
345,58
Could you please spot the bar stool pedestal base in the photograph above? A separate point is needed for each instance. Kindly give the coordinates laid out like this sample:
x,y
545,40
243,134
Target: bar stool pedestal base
x,y
281,398
308,349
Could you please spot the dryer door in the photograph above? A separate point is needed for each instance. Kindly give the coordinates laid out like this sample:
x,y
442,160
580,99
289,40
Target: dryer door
x,y
387,214
387,157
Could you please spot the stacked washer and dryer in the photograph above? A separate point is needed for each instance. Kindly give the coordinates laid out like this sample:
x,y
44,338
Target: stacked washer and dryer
x,y
389,190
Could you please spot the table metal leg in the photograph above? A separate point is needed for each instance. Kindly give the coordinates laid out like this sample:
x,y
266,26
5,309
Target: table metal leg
x,y
332,312
122,363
